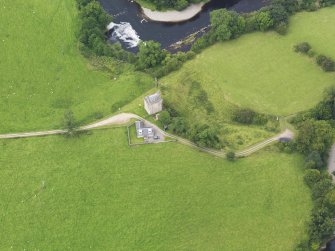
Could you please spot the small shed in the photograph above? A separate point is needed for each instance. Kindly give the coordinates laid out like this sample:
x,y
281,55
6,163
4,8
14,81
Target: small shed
x,y
153,103
142,131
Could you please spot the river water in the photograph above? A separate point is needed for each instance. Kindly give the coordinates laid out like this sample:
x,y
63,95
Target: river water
x,y
331,246
130,27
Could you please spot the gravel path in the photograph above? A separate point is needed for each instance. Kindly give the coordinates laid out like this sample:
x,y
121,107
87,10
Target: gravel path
x,y
125,118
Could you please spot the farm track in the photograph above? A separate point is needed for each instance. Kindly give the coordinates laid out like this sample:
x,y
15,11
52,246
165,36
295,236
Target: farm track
x,y
124,119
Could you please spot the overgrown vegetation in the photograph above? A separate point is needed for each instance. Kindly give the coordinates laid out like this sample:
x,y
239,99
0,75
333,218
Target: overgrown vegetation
x,y
314,140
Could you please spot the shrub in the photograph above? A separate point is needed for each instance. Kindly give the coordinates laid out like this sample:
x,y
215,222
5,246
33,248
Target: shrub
x,y
165,118
302,47
282,28
327,64
69,124
311,177
314,161
231,156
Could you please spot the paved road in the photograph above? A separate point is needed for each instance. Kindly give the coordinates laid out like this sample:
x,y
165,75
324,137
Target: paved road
x,y
331,162
125,118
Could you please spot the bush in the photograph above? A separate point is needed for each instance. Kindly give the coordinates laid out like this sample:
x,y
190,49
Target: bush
x,y
69,124
302,47
231,156
314,161
248,116
311,177
327,64
282,28
165,118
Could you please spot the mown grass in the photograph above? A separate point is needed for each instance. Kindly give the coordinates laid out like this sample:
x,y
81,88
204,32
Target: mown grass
x,y
99,194
261,71
43,73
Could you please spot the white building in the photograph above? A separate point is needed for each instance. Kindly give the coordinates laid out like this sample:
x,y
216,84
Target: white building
x,y
142,131
153,103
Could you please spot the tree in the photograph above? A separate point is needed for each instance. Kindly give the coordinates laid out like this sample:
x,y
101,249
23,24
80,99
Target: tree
x,y
165,118
321,226
264,20
315,136
204,136
321,188
150,55
69,123
226,25
329,202
311,177
313,161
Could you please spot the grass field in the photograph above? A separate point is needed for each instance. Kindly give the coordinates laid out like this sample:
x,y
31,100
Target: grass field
x,y
262,72
43,74
100,194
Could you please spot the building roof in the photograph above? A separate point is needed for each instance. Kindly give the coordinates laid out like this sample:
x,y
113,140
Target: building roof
x,y
146,131
154,98
139,125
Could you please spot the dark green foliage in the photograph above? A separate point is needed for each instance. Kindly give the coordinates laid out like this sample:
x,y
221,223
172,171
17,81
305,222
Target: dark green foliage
x,y
179,126
321,226
325,110
248,116
165,118
69,124
329,202
312,176
326,63
231,156
303,47
321,188
282,28
94,21
226,25
150,55
287,147
315,136
314,161
204,136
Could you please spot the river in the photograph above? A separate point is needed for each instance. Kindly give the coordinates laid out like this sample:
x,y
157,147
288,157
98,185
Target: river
x,y
130,27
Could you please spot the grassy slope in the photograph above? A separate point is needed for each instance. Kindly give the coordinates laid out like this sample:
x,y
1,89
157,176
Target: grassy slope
x,y
42,73
101,194
261,71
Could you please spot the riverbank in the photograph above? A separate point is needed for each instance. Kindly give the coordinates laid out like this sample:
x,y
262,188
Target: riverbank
x,y
173,16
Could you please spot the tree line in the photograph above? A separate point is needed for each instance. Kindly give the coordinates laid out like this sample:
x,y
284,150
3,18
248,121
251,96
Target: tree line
x,y
315,137
227,25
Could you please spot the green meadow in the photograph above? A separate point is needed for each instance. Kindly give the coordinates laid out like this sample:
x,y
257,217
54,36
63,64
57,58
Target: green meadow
x,y
261,70
43,73
96,193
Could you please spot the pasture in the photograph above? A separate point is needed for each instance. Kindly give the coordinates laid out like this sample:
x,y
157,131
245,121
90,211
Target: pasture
x,y
261,70
43,73
94,192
